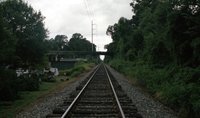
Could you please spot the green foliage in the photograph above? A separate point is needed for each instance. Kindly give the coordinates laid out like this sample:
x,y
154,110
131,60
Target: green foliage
x,y
75,71
48,78
160,47
79,68
175,86
79,43
27,98
7,44
160,32
8,86
26,25
76,43
26,83
22,36
183,91
59,43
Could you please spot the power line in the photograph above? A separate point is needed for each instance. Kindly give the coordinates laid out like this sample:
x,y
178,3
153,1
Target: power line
x,y
89,13
90,9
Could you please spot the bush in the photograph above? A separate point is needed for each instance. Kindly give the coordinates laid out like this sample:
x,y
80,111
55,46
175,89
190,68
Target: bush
x,y
8,86
48,77
78,69
26,83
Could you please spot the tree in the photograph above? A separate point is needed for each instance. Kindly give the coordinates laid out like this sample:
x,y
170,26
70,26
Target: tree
x,y
162,36
22,35
7,44
28,28
79,43
61,41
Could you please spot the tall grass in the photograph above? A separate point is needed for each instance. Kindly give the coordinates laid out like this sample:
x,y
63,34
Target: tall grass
x,y
78,68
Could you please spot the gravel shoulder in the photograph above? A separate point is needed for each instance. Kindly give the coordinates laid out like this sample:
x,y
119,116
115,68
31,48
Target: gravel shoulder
x,y
45,105
147,107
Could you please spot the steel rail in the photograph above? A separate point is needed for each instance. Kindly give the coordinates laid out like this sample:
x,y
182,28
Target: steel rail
x,y
79,94
116,98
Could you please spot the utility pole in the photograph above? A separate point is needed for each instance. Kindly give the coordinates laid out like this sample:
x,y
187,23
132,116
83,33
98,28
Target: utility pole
x,y
92,33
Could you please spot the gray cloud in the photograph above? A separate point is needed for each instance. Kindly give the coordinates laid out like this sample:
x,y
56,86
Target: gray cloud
x,y
71,16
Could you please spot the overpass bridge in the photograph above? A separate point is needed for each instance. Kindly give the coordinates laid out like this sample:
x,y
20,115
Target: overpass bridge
x,y
65,59
97,53
58,55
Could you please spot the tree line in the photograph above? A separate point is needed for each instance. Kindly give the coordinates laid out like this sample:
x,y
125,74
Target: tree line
x,y
76,43
24,43
160,47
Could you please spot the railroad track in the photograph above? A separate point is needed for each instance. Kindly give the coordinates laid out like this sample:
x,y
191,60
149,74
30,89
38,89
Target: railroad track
x,y
98,96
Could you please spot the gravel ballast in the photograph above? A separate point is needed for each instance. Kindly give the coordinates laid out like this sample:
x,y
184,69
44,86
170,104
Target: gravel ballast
x,y
50,102
147,107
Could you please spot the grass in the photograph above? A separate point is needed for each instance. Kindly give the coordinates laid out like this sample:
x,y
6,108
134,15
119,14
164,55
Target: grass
x,y
78,69
29,98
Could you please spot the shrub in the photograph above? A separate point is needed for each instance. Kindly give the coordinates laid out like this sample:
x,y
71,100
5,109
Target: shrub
x,y
26,83
78,69
8,86
48,77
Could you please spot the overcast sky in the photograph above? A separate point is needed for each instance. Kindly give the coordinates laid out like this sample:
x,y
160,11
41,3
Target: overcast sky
x,y
66,17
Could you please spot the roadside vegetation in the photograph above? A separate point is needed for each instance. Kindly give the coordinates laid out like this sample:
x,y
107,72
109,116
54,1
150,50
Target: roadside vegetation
x,y
37,90
23,56
159,47
78,68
